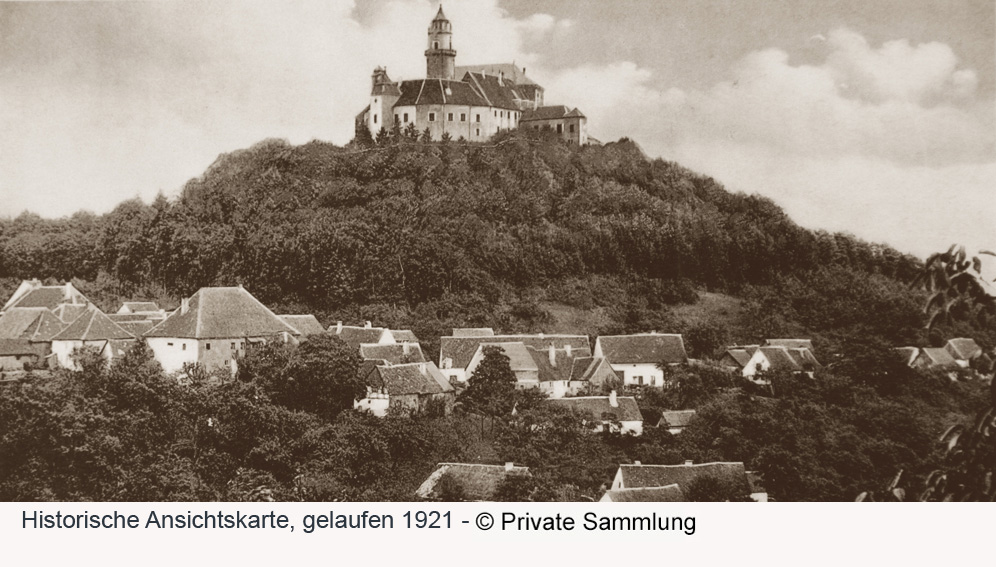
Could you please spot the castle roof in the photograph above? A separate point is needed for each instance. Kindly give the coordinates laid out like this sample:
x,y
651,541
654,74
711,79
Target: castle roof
x,y
551,113
440,16
500,93
438,91
508,70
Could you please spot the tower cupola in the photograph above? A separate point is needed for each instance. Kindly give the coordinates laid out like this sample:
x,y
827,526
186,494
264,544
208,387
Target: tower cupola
x,y
440,57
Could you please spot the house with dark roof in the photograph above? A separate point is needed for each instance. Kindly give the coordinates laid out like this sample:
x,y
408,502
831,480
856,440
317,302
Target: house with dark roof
x,y
638,358
779,359
675,421
669,493
731,476
398,353
413,388
963,350
736,357
468,482
31,293
305,324
15,354
457,352
615,413
470,102
790,343
214,327
568,371
366,334
404,336
27,335
93,329
570,124
519,359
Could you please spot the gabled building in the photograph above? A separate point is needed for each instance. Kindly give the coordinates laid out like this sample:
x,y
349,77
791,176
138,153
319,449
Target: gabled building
x,y
214,327
305,324
468,482
558,373
27,334
791,343
570,124
736,357
413,388
93,329
355,336
931,358
637,358
731,476
456,352
779,359
520,360
594,373
963,351
398,353
670,493
675,421
31,293
615,413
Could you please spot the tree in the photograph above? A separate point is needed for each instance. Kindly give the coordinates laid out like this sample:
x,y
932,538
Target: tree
x,y
491,388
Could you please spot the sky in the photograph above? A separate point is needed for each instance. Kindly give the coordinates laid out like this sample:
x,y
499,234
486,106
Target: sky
x,y
874,118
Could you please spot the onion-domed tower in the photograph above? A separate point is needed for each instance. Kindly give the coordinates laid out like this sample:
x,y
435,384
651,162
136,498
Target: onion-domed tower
x,y
440,57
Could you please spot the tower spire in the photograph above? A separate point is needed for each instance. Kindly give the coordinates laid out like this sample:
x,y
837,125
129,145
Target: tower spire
x,y
440,57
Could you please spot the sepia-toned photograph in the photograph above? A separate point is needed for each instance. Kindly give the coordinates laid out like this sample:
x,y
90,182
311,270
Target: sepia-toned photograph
x,y
498,251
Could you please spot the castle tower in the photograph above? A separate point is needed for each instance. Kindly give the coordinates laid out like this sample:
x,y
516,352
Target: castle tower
x,y
440,57
383,94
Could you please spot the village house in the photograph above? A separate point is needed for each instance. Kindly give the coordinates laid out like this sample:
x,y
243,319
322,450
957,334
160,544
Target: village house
x,y
214,328
26,337
520,360
467,482
569,371
457,352
413,388
638,358
64,300
779,359
398,353
963,351
95,330
675,421
935,358
617,413
305,324
731,476
736,357
367,334
669,493
791,343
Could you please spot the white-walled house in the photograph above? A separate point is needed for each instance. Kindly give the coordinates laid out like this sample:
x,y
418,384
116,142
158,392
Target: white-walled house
x,y
637,357
732,476
456,352
31,293
779,359
213,328
355,336
411,388
618,413
963,351
92,329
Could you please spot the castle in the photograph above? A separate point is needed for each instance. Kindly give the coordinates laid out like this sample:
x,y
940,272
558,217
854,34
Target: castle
x,y
471,102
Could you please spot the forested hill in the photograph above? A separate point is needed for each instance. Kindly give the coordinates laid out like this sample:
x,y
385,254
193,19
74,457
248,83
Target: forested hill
x,y
468,233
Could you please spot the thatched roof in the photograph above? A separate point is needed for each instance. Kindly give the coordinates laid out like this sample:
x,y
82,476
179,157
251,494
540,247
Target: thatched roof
x,y
472,482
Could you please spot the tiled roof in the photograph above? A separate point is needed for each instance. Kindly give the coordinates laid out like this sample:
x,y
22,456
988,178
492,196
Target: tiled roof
x,y
564,363
137,328
908,354
587,367
32,323
519,357
670,493
733,475
474,481
963,349
356,336
676,418
139,307
508,70
438,91
92,326
406,379
404,336
939,357
394,354
599,406
480,332
780,359
647,348
17,347
220,313
551,113
68,312
790,343
461,349
50,296
738,355
804,357
499,94
305,324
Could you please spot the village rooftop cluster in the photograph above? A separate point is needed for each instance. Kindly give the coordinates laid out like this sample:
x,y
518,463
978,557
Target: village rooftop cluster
x,y
43,328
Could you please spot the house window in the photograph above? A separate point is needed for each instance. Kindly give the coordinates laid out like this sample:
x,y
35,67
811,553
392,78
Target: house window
x,y
572,128
397,118
228,362
560,128
449,117
207,346
463,117
639,380
432,117
233,346
169,344
406,117
478,117
183,346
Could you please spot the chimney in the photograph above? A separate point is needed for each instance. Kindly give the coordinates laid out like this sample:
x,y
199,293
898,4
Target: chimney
x,y
553,356
637,463
184,305
406,348
613,401
508,466
688,463
68,291
541,335
367,325
501,76
239,286
338,327
567,349
422,369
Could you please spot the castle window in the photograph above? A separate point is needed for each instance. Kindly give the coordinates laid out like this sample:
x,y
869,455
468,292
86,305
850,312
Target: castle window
x,y
449,117
435,45
432,117
478,132
207,346
478,117
463,117
406,117
375,118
